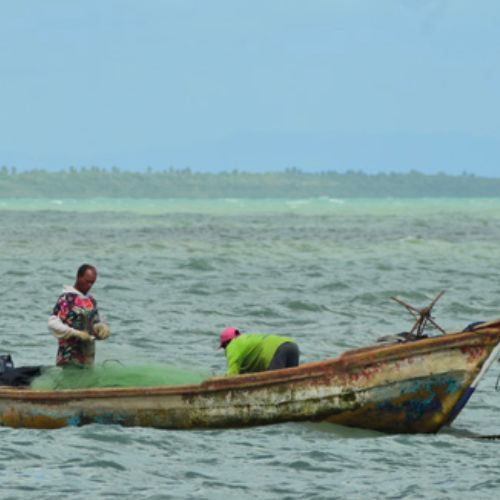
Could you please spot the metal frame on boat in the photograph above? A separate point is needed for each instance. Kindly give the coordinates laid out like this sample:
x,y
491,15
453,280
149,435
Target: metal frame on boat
x,y
407,387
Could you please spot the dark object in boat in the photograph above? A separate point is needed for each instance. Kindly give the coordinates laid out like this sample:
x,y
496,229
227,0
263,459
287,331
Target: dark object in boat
x,y
400,337
6,362
16,377
471,326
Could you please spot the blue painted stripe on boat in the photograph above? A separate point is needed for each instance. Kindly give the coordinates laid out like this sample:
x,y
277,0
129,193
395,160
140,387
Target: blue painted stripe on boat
x,y
468,393
461,403
74,421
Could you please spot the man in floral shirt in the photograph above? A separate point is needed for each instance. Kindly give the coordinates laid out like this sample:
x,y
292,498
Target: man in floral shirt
x,y
75,321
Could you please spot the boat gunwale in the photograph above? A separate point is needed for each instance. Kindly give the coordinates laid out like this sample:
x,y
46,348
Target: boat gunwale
x,y
347,362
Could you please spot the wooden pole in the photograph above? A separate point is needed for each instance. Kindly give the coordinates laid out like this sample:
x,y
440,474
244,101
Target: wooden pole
x,y
422,315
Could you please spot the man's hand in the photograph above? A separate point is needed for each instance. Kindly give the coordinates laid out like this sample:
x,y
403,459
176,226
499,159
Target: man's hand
x,y
101,331
81,334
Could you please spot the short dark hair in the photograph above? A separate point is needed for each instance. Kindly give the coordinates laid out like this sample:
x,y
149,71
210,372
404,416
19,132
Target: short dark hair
x,y
83,268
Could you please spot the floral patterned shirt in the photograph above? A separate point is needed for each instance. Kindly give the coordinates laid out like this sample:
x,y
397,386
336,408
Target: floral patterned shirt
x,y
79,312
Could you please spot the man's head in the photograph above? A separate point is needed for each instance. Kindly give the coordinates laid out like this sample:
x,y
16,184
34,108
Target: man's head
x,y
227,335
85,278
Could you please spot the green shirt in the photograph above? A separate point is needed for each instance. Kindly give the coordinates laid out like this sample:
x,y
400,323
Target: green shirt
x,y
252,352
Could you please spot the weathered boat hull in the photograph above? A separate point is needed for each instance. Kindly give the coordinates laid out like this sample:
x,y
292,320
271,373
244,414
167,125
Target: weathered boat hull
x,y
410,387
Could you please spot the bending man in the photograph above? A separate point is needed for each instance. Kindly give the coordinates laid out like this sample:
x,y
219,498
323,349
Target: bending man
x,y
75,321
254,352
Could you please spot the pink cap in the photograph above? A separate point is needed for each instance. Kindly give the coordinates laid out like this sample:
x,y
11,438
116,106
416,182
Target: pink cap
x,y
227,334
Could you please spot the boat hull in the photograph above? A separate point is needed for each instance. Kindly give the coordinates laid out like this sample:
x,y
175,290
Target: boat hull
x,y
406,388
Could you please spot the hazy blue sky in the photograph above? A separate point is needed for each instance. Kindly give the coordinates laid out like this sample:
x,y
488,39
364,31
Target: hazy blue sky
x,y
372,85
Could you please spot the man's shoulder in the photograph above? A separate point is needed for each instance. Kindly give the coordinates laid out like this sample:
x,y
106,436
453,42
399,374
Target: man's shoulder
x,y
249,339
72,294
277,339
71,297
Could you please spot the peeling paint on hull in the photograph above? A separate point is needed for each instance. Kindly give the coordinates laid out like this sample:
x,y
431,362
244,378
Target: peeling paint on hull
x,y
412,387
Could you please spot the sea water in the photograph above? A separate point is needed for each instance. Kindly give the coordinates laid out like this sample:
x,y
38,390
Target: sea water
x,y
173,273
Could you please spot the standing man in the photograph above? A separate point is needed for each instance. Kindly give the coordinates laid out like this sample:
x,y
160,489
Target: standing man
x,y
75,321
254,352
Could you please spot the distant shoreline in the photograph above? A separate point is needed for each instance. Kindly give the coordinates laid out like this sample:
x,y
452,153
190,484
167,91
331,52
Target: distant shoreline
x,y
290,184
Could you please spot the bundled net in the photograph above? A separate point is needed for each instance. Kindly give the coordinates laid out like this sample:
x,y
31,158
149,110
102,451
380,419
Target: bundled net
x,y
113,374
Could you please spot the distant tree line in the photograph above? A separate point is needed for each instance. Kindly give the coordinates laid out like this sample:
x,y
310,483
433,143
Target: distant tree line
x,y
292,183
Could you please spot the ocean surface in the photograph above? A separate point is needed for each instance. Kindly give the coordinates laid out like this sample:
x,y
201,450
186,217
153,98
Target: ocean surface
x,y
173,273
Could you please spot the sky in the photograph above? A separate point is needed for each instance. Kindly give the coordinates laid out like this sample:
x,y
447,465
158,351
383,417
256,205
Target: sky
x,y
256,86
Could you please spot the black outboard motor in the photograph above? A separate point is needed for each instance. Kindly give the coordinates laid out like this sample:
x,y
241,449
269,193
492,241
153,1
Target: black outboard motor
x,y
16,377
6,363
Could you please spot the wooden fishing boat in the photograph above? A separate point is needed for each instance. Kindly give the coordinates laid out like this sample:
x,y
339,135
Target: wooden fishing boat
x,y
407,387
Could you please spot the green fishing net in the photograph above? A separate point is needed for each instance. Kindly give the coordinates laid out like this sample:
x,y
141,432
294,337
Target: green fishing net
x,y
115,374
